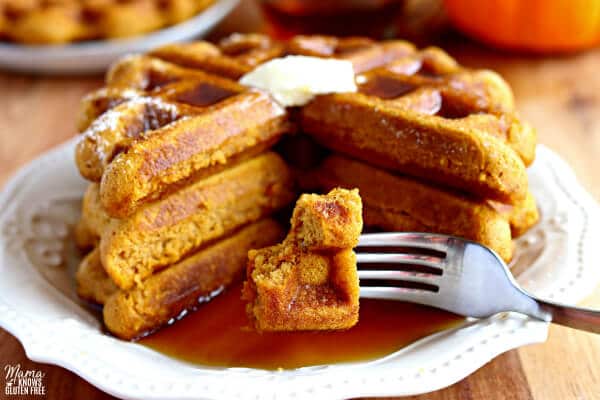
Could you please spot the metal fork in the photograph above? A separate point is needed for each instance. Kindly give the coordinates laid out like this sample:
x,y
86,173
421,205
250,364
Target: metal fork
x,y
456,275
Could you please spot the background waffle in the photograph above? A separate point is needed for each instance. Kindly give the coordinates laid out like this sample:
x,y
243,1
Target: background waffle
x,y
63,21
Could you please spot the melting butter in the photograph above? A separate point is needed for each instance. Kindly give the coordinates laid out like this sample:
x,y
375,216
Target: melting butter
x,y
295,80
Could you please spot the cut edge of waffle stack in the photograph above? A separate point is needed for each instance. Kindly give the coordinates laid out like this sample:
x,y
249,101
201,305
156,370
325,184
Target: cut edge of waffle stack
x,y
156,263
172,129
64,21
182,185
172,292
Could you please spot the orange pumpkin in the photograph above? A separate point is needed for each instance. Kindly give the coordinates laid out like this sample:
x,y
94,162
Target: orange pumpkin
x,y
530,25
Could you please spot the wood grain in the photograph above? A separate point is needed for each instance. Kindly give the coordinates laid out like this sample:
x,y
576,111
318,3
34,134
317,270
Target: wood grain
x,y
35,115
559,96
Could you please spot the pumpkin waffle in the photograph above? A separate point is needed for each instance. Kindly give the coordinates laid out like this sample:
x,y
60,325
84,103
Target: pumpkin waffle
x,y
93,219
177,153
421,114
521,216
93,284
159,135
160,233
63,21
232,57
399,203
84,235
176,289
309,282
416,112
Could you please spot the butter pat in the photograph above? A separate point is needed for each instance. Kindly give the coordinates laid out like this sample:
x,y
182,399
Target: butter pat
x,y
295,80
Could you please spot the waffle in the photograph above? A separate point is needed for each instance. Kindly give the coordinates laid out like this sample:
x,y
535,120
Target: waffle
x,y
161,233
93,284
93,219
417,112
63,21
177,153
309,282
160,135
232,57
521,216
168,293
398,203
422,115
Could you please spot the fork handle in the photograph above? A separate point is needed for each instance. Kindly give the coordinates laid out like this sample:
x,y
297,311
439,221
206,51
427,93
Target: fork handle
x,y
580,318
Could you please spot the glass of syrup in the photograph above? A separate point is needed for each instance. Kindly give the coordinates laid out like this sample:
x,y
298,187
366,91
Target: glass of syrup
x,y
375,18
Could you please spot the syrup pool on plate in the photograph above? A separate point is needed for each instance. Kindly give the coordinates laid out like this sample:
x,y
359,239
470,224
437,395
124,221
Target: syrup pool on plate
x,y
218,334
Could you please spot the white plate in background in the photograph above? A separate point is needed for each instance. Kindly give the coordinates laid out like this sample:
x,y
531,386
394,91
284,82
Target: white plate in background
x,y
39,306
96,56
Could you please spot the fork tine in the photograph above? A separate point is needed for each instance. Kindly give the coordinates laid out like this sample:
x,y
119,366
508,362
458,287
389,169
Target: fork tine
x,y
400,258
401,294
405,276
406,239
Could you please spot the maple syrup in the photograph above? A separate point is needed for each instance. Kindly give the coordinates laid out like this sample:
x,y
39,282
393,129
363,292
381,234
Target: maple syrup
x,y
375,18
217,334
386,88
204,94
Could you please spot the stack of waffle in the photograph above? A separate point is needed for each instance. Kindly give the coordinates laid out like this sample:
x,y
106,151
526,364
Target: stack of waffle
x,y
432,146
182,183
178,155
62,21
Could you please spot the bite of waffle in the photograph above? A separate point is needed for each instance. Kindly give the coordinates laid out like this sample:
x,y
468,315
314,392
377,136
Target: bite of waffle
x,y
64,21
309,281
179,158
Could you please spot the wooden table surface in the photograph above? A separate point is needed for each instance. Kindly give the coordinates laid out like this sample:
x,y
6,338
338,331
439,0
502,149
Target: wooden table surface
x,y
559,96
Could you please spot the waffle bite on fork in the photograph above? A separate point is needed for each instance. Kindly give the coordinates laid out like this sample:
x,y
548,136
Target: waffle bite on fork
x,y
179,157
309,281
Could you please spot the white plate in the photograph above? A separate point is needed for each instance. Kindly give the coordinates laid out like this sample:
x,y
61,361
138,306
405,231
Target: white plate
x,y
95,56
39,306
